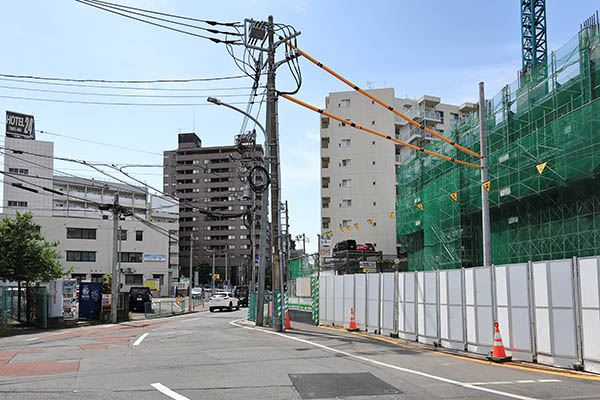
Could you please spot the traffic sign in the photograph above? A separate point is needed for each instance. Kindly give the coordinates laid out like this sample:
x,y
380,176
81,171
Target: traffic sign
x,y
225,283
216,276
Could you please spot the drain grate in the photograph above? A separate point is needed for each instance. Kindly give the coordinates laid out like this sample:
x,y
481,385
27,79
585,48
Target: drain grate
x,y
318,386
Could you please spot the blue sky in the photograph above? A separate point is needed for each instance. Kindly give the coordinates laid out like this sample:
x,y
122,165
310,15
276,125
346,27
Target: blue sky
x,y
438,48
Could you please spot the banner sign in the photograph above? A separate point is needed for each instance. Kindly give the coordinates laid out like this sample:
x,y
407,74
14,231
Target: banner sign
x,y
155,257
20,126
152,284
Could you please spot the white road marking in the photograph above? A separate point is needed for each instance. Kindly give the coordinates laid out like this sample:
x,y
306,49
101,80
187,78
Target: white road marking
x,y
526,381
33,338
168,392
493,383
410,371
137,342
549,380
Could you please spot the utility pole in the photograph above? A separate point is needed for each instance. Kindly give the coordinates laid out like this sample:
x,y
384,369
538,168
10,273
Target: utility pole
x,y
226,268
213,274
191,278
262,247
485,202
274,153
253,243
115,273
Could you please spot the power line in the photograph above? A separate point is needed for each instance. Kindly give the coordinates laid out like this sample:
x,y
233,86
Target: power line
x,y
111,104
117,94
88,3
215,89
188,80
128,9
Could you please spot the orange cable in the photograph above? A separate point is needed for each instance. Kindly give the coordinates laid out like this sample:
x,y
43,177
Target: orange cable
x,y
411,121
353,125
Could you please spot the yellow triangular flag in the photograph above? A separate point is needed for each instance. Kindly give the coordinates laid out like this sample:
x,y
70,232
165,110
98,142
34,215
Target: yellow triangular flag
x,y
454,196
356,226
342,229
348,228
370,221
420,206
540,167
486,186
392,214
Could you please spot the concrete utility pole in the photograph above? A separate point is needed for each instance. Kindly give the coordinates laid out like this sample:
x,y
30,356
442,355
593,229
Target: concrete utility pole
x,y
275,196
115,273
485,199
253,242
213,274
191,278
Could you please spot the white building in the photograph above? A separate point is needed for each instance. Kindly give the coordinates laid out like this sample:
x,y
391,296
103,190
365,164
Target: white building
x,y
358,170
74,211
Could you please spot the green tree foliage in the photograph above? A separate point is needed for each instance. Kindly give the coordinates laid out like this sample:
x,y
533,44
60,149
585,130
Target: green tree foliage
x,y
24,253
204,271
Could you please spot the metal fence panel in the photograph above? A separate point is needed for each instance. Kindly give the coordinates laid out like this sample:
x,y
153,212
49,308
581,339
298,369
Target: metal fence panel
x,y
478,283
512,296
330,316
322,300
360,291
373,302
338,304
589,272
407,305
387,301
348,297
555,313
451,309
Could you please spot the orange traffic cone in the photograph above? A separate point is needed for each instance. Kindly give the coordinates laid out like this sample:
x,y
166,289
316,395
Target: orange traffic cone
x,y
352,327
498,353
287,320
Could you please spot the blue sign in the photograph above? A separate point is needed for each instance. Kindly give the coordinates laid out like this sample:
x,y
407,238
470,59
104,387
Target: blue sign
x,y
256,260
155,257
226,283
90,299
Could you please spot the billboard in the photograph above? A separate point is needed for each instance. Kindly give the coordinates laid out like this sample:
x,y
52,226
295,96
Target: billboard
x,y
155,257
20,126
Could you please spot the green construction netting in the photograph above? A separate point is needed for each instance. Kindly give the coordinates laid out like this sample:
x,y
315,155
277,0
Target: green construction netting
x,y
550,115
304,266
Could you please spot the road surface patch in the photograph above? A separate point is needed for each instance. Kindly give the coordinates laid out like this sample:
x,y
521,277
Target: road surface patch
x,y
36,368
332,385
101,346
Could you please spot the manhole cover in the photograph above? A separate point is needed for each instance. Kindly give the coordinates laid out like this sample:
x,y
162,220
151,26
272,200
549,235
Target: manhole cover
x,y
318,386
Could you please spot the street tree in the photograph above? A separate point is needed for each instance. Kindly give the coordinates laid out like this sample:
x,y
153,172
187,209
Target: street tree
x,y
25,256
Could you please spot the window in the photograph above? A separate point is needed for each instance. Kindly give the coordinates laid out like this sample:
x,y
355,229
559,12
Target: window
x,y
20,171
346,182
97,278
324,122
244,246
345,143
231,247
346,163
346,222
440,115
81,256
346,203
231,237
12,203
131,257
81,233
345,103
139,236
160,278
134,279
243,237
122,234
453,118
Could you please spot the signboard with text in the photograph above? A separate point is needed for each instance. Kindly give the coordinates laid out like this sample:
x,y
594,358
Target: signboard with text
x,y
155,257
20,126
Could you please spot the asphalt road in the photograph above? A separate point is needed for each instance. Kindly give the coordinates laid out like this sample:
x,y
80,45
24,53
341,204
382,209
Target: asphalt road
x,y
218,356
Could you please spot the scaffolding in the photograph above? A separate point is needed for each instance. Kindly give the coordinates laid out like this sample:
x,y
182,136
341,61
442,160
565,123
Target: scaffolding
x,y
544,164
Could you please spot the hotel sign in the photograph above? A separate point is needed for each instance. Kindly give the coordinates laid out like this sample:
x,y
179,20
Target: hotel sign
x,y
20,126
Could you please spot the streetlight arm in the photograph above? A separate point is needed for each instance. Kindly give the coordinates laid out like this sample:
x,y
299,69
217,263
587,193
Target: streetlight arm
x,y
218,102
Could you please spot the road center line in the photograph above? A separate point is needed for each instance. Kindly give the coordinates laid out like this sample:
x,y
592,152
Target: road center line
x,y
33,338
168,392
410,371
137,342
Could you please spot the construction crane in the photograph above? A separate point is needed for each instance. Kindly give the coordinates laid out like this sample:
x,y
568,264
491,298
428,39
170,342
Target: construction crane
x,y
533,35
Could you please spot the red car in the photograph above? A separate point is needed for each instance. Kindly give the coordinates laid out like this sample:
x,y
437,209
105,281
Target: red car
x,y
365,247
